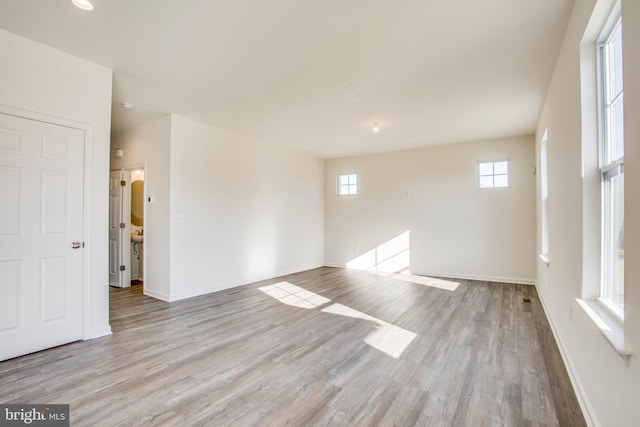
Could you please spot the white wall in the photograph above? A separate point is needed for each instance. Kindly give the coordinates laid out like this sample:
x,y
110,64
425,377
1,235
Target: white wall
x,y
48,83
631,25
607,388
241,211
149,144
449,217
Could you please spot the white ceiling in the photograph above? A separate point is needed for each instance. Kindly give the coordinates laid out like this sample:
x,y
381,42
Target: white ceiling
x,y
313,75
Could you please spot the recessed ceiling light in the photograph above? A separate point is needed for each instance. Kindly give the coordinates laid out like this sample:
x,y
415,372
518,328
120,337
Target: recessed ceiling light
x,y
83,4
127,106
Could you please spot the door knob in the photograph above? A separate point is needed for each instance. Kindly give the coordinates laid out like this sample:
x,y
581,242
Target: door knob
x,y
75,245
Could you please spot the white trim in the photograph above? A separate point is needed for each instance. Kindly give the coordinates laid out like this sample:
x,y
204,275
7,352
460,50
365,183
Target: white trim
x,y
211,289
544,197
481,278
587,409
208,290
88,331
157,295
98,332
610,326
132,167
612,329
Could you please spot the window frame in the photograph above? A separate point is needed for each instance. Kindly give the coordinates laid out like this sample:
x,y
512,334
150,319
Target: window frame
x,y
349,185
609,167
493,162
544,197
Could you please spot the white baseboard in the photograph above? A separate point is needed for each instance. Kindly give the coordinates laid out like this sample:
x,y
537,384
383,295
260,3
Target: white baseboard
x,y
220,287
158,295
177,296
334,265
102,331
583,401
499,279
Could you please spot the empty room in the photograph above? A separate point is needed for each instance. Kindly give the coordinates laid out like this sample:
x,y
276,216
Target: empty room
x,y
320,213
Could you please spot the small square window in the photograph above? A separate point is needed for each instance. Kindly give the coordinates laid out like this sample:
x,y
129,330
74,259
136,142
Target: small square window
x,y
348,184
493,174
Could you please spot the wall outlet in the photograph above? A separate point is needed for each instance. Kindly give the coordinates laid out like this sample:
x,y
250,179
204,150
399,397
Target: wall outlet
x,y
354,250
467,256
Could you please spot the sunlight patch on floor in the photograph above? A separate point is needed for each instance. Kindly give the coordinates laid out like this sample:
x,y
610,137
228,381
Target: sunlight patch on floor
x,y
387,338
295,296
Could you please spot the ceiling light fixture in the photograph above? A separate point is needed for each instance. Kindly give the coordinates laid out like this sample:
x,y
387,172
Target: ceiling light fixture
x,y
82,4
375,126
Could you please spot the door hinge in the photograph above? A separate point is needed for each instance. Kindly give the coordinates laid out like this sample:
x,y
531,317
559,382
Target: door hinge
x,y
122,225
123,183
122,268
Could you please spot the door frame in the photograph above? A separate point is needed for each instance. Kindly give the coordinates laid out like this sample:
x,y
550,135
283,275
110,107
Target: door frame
x,y
130,168
87,331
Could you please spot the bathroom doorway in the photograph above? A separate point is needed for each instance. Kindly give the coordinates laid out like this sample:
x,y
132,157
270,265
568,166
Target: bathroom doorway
x,y
137,226
127,227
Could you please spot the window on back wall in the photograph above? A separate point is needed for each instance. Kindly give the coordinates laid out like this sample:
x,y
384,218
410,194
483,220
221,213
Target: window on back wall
x,y
611,145
493,174
348,184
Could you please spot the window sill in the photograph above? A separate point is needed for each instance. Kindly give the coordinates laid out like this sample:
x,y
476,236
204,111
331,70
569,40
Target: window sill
x,y
544,258
611,327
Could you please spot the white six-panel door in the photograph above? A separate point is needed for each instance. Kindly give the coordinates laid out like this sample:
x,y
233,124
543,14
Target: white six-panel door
x,y
41,225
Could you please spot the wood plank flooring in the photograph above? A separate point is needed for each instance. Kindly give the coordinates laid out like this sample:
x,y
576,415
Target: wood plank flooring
x,y
365,350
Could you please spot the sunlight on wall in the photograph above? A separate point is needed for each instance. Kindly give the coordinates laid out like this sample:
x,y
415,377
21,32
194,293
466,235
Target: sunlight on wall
x,y
393,259
387,338
392,256
262,241
390,339
295,296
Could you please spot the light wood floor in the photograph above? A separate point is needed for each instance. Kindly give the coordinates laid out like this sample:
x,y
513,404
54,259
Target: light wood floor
x,y
366,350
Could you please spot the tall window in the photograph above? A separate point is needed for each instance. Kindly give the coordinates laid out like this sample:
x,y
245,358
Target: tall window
x,y
612,166
544,197
348,184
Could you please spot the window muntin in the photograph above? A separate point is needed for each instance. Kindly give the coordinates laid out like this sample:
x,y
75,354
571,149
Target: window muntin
x,y
493,174
612,168
348,184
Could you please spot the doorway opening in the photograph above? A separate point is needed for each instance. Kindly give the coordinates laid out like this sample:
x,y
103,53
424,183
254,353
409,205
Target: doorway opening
x,y
127,227
137,227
